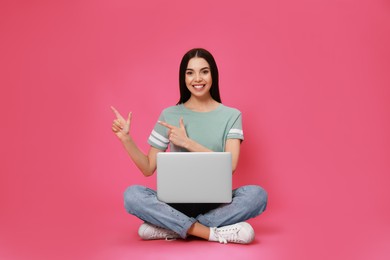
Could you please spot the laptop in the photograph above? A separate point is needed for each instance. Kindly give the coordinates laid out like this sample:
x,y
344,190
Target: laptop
x,y
194,177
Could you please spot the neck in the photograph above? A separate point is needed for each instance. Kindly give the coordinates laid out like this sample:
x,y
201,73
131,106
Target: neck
x,y
201,105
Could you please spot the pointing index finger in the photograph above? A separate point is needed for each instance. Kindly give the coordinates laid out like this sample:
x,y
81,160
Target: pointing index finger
x,y
116,112
165,124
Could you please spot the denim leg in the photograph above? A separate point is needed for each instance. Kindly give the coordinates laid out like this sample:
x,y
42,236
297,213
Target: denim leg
x,y
142,202
248,202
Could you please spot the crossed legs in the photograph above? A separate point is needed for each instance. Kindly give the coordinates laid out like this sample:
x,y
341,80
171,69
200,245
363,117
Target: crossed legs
x,y
248,202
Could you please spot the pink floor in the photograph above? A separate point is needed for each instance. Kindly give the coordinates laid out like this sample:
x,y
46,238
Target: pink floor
x,y
112,234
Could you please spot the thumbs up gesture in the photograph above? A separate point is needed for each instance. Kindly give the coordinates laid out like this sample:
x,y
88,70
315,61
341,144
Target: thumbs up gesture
x,y
177,135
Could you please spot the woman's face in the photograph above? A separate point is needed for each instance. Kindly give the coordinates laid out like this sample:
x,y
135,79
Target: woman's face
x,y
198,77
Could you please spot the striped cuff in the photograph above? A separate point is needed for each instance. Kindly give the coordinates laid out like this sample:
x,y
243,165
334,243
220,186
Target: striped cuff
x,y
158,141
235,133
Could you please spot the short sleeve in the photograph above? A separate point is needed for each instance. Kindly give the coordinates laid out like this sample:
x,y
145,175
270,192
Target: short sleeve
x,y
236,132
159,135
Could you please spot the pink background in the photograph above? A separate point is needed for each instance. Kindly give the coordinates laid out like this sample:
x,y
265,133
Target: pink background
x,y
310,77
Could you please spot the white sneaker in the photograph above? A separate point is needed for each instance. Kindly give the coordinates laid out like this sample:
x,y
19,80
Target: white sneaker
x,y
241,233
148,232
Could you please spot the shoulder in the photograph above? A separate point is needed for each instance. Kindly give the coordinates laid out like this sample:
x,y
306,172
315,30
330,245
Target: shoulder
x,y
230,110
172,109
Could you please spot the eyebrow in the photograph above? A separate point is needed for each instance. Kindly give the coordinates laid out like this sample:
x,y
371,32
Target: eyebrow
x,y
200,69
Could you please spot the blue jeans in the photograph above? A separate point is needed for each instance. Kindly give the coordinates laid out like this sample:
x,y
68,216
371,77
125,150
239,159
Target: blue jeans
x,y
248,202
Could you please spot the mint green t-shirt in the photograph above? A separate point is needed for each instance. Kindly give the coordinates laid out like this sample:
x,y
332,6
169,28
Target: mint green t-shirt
x,y
210,129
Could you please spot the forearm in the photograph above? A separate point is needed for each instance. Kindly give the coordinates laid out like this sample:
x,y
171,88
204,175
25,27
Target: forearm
x,y
138,157
233,146
193,146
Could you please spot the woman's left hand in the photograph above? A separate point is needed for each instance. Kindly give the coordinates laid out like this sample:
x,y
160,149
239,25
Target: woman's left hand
x,y
177,135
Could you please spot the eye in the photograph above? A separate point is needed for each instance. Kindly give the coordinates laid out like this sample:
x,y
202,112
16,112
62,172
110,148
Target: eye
x,y
205,72
189,73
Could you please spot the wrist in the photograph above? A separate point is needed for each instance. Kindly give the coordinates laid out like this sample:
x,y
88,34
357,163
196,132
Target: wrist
x,y
188,144
125,138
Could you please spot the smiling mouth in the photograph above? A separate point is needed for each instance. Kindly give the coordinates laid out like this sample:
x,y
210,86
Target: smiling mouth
x,y
198,86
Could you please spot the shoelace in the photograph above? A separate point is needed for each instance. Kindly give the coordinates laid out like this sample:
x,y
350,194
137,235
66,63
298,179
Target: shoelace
x,y
232,236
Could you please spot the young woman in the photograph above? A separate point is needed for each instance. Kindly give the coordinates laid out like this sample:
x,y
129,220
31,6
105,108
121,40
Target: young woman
x,y
198,123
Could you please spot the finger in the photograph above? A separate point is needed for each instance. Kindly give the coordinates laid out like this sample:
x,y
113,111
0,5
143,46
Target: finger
x,y
116,126
117,114
129,118
115,129
165,124
181,123
114,110
117,123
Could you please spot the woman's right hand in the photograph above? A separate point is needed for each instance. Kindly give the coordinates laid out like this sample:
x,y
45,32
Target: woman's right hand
x,y
121,126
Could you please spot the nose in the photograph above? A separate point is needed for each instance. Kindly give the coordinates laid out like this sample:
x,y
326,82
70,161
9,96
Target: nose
x,y
198,77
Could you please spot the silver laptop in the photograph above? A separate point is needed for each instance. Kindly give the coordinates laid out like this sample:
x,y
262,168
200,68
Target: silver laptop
x,y
192,177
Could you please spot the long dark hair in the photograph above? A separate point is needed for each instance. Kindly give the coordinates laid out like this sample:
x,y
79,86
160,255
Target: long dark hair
x,y
185,94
